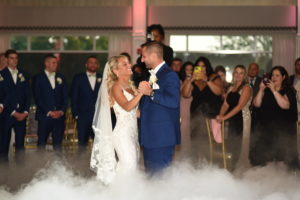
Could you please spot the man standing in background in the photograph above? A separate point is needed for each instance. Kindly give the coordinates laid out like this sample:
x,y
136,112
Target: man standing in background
x,y
84,93
15,104
51,97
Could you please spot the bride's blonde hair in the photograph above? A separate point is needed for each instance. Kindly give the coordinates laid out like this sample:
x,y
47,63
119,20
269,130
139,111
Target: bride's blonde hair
x,y
112,77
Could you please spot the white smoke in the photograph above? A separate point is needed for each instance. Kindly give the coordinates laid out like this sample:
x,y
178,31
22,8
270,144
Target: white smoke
x,y
182,182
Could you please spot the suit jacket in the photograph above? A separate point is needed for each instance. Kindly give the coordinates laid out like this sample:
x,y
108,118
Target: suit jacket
x,y
1,93
256,86
48,99
160,114
83,97
15,97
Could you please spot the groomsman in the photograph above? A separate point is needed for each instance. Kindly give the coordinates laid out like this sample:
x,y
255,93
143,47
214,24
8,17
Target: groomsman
x,y
15,97
1,110
84,92
51,97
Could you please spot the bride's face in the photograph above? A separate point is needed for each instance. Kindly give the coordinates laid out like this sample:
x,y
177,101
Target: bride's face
x,y
124,67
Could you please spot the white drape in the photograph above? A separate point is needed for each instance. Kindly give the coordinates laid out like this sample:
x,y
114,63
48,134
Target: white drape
x,y
284,51
119,43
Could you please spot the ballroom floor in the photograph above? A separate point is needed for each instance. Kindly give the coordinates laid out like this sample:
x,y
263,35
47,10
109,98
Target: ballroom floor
x,y
20,171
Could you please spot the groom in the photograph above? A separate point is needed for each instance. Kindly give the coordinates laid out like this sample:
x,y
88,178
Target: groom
x,y
160,130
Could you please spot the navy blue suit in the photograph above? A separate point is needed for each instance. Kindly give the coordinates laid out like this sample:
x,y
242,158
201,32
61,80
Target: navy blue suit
x,y
160,127
48,99
83,100
16,97
1,114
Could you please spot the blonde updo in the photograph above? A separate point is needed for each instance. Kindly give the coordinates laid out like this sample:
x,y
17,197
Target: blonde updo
x,y
112,77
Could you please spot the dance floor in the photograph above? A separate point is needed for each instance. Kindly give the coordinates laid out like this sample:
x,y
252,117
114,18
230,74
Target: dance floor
x,y
67,175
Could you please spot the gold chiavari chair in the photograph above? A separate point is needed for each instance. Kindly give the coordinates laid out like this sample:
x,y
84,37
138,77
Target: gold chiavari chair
x,y
31,137
212,145
70,134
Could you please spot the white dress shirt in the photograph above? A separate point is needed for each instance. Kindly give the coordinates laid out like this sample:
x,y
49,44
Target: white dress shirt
x,y
155,70
51,78
14,74
92,79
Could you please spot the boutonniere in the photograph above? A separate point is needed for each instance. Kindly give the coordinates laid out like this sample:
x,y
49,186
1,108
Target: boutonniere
x,y
152,79
59,80
21,77
99,80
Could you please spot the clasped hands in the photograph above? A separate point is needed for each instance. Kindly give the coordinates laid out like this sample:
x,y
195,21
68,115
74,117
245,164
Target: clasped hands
x,y
55,114
145,88
20,116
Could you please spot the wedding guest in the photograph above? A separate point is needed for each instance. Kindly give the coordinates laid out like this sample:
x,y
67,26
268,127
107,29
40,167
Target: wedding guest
x,y
85,85
294,80
185,75
158,35
277,139
206,89
16,102
176,65
235,109
254,79
51,97
220,70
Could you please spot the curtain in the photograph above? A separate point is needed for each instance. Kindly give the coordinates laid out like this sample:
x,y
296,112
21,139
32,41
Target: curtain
x,y
284,51
119,43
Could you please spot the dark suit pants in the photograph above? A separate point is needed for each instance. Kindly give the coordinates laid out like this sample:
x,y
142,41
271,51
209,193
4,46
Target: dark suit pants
x,y
157,159
84,127
8,123
54,126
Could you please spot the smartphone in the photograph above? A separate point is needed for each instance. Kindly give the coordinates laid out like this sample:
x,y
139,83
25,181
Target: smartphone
x,y
266,78
198,69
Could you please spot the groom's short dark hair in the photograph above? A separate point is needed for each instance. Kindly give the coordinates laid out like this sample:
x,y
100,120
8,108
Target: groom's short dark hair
x,y
155,47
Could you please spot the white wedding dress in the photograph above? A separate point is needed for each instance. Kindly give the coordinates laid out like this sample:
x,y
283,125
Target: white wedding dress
x,y
125,137
114,151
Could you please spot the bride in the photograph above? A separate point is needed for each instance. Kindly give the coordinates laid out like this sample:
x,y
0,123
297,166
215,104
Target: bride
x,y
116,91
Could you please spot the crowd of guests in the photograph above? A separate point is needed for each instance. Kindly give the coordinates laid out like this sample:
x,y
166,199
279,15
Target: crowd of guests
x,y
261,108
261,111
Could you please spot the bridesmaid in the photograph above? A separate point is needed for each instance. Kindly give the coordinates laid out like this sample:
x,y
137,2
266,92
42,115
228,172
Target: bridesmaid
x,y
185,75
235,109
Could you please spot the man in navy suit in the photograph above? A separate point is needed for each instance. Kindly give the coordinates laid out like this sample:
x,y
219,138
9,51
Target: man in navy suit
x,y
51,97
84,92
160,130
15,104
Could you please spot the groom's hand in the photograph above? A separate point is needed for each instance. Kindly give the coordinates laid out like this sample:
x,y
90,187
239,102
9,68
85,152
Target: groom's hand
x,y
145,88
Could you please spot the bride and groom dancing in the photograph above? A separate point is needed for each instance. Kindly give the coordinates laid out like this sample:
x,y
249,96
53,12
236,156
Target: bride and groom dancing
x,y
158,102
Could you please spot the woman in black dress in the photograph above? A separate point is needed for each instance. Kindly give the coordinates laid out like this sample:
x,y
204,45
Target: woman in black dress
x,y
277,140
235,109
206,89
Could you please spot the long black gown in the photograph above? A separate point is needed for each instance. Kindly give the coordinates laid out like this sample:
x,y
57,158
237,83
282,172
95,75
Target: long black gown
x,y
235,127
277,131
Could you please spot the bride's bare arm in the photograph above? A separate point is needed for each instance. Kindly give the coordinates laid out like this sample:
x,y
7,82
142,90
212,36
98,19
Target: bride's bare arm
x,y
119,97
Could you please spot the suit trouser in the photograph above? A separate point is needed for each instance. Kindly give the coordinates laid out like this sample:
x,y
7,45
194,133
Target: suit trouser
x,y
54,126
156,159
84,127
8,123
